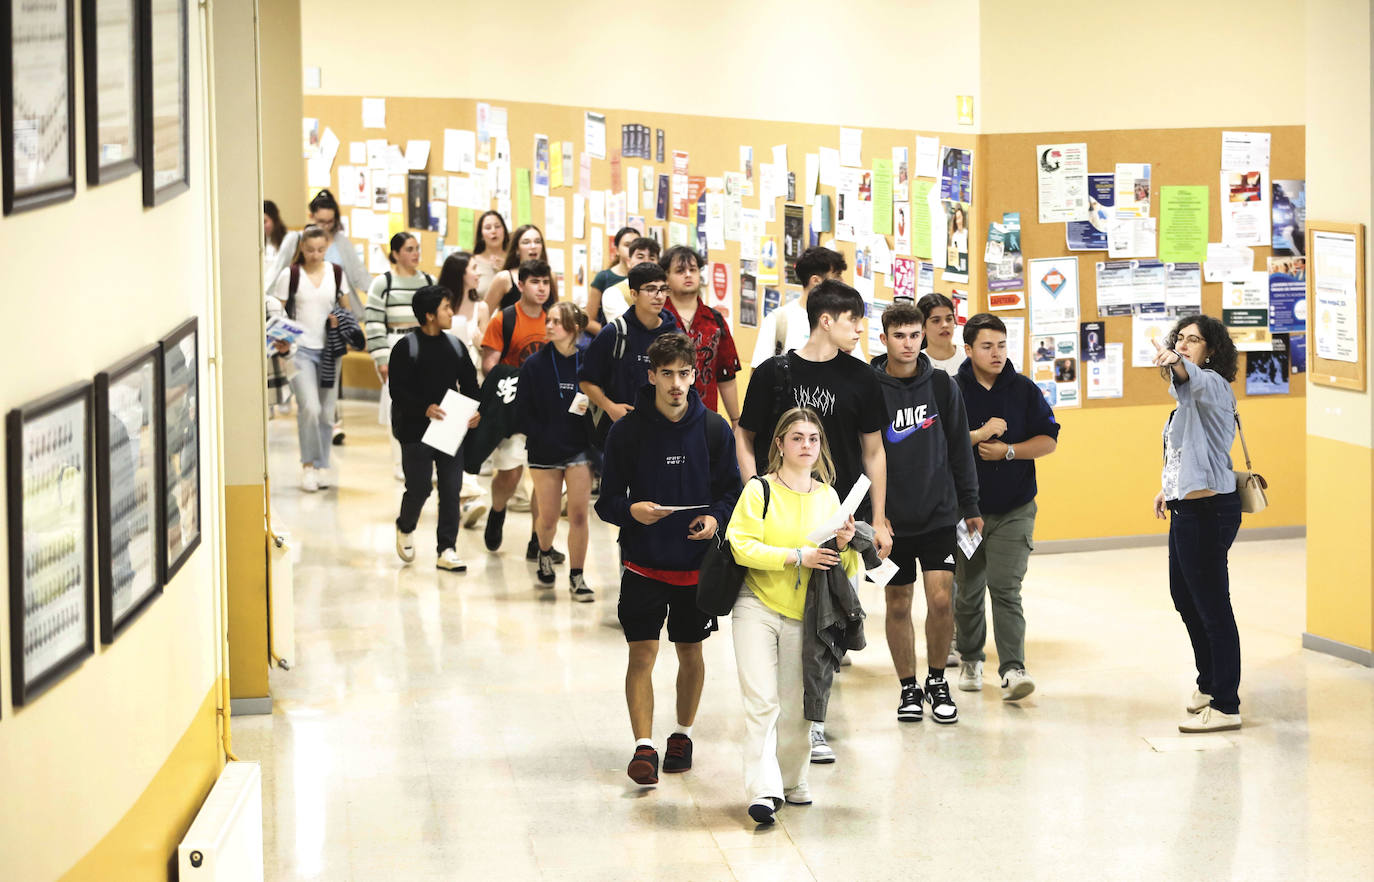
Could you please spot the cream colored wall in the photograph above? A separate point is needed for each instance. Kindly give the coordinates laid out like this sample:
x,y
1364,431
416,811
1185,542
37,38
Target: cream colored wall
x,y
786,60
77,757
1066,65
1339,158
283,174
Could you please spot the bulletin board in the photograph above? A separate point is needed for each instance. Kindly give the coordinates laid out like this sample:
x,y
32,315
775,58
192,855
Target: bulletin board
x,y
1178,157
1332,371
713,147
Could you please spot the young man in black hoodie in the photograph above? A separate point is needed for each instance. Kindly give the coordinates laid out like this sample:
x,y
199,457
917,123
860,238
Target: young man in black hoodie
x,y
1015,426
668,453
425,364
932,485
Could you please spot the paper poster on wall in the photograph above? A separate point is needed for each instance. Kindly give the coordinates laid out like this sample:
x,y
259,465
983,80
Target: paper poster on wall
x,y
460,150
1245,311
1016,342
1093,340
1297,353
1266,373
1288,293
374,113
1002,257
1146,331
1114,288
851,147
1183,224
1054,367
956,174
1053,285
748,298
793,239
1062,182
1244,150
901,174
555,165
1147,287
927,157
579,293
863,271
846,204
661,203
1132,186
1227,262
1105,378
554,209
594,134
903,278
882,196
921,192
770,260
938,226
719,277
1334,294
1182,289
1131,237
956,247
772,299
1245,207
1289,215
901,227
829,173
1091,234
746,167
524,214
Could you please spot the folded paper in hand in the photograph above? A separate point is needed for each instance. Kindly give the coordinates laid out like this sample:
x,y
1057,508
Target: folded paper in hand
x,y
446,434
968,541
882,573
830,525
281,329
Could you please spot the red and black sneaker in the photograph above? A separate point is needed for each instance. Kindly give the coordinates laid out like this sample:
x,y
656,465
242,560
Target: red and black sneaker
x,y
643,768
679,755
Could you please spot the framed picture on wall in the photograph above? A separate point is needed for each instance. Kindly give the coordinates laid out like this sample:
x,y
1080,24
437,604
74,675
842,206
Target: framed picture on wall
x,y
52,585
126,422
109,61
37,119
162,106
179,473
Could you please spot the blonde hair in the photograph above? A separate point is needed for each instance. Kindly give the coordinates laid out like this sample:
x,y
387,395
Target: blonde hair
x,y
570,316
825,466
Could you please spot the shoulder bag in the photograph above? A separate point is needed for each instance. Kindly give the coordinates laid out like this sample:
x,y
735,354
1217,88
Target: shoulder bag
x,y
720,576
1249,483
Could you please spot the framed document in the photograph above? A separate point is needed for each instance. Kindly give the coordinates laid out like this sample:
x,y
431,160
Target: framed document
x,y
179,496
162,105
126,411
48,481
37,119
1336,305
109,59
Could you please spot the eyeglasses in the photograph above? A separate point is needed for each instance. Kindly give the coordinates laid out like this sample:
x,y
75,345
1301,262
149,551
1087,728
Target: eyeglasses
x,y
654,289
1192,340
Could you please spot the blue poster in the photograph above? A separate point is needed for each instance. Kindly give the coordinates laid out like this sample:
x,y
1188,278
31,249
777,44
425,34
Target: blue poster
x,y
1091,234
1297,354
1287,294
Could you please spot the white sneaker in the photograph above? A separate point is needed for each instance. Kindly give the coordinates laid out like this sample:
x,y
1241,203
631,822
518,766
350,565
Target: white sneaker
x,y
1016,685
310,482
846,660
971,676
952,660
1198,701
471,513
580,592
399,473
405,545
449,560
325,477
1209,719
820,751
799,795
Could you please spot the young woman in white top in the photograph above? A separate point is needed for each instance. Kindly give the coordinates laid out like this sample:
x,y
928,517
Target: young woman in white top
x,y
459,276
316,296
324,213
941,341
489,249
273,234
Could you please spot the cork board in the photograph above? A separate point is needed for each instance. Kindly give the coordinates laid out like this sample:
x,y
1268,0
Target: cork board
x,y
1178,157
713,147
1331,371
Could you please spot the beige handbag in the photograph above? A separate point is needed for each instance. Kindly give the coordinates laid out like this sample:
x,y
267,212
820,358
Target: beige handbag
x,y
1249,483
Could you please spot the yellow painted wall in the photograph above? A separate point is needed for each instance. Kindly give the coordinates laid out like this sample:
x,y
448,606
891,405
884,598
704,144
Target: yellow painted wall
x,y
1340,605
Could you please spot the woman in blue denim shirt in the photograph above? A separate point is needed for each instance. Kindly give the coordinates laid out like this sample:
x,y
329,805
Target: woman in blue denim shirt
x,y
1198,489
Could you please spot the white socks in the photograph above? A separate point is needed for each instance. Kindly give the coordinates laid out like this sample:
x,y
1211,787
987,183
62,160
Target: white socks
x,y
683,730
644,742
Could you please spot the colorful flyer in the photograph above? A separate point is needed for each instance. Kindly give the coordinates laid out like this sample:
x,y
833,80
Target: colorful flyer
x,y
1091,234
1053,284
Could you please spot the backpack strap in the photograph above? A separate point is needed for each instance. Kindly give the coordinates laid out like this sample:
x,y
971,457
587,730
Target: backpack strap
x,y
338,280
413,346
943,387
508,320
780,333
293,283
429,280
782,383
386,301
622,337
766,494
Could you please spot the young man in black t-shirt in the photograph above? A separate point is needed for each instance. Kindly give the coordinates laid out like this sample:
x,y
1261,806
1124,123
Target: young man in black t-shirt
x,y
844,392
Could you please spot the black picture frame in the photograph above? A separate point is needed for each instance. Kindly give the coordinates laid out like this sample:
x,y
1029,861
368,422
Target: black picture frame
x,y
155,19
179,473
93,12
126,489
17,197
52,627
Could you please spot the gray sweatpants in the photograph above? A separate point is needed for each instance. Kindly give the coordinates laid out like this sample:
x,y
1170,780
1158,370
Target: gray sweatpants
x,y
998,565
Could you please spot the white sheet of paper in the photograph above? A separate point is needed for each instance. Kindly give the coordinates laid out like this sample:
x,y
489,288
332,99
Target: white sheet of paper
x,y
445,435
1227,261
968,542
927,157
829,171
813,171
827,528
851,147
1105,377
658,507
374,113
329,146
1241,151
417,155
882,573
1016,342
357,152
553,218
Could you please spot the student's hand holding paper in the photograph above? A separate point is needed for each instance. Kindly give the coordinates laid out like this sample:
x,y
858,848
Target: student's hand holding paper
x,y
648,513
845,533
819,558
474,420
434,412
281,346
973,525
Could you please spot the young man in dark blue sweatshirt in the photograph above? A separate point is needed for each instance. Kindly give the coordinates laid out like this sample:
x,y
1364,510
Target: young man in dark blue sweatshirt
x,y
425,364
932,485
1014,426
669,482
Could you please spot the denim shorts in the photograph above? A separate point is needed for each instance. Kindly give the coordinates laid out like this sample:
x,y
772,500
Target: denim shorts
x,y
574,460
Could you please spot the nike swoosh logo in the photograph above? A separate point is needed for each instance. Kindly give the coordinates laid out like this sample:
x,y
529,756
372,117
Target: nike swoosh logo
x,y
897,436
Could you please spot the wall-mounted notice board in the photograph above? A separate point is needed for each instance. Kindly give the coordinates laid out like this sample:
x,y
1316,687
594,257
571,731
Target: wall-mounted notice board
x,y
1336,305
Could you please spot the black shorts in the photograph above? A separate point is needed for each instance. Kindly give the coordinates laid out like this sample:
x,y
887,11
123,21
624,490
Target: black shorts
x,y
645,603
935,550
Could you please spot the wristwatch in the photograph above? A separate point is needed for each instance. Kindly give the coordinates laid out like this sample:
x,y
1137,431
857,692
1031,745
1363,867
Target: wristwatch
x,y
1011,453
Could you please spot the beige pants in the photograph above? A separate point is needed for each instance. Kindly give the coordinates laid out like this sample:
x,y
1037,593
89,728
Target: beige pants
x,y
777,739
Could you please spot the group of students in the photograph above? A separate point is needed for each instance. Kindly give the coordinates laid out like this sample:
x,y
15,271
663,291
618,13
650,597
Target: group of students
x,y
946,435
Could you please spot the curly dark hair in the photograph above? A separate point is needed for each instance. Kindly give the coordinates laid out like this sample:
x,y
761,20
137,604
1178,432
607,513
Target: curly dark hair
x,y
1221,349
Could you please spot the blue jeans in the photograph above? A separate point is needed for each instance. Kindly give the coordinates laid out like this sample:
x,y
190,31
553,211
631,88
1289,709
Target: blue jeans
x,y
1200,534
314,409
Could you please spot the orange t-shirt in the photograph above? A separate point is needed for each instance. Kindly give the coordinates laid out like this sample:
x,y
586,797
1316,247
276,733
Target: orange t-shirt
x,y
529,336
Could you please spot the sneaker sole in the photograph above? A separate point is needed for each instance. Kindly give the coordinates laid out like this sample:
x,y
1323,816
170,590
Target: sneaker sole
x,y
1190,730
761,814
584,598
642,773
790,801
460,568
541,584
949,722
910,717
822,760
668,771
970,687
1020,691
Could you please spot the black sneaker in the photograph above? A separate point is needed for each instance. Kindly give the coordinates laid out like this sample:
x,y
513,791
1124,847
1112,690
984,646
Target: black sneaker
x,y
678,757
942,708
496,523
762,811
909,709
546,574
532,552
643,768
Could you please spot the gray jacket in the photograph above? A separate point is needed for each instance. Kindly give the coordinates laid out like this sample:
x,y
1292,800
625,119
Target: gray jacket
x,y
832,623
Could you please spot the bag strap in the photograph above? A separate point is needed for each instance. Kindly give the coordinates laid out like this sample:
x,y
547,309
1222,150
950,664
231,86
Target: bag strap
x,y
622,336
780,333
294,282
766,494
508,319
338,280
1243,446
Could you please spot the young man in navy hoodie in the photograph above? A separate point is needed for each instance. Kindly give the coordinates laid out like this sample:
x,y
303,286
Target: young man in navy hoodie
x,y
932,485
668,452
613,368
1014,426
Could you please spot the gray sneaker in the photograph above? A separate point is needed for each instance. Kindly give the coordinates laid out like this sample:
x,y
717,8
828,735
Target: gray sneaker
x,y
820,751
580,592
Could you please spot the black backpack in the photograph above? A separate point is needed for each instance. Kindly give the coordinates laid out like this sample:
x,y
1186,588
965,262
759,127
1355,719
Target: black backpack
x,y
295,283
720,577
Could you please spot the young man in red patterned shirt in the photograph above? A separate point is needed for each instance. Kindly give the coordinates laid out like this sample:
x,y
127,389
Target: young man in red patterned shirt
x,y
717,360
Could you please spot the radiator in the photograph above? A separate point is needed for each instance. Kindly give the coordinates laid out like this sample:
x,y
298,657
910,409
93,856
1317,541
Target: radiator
x,y
224,843
283,611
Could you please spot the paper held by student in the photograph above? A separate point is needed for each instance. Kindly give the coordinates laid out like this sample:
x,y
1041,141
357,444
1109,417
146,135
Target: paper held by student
x,y
832,524
445,435
882,573
658,507
968,540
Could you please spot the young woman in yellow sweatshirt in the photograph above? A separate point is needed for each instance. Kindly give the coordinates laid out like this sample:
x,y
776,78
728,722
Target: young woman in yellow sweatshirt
x,y
767,618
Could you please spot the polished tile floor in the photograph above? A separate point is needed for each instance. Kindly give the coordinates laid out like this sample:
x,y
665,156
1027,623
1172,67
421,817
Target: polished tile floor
x,y
446,726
